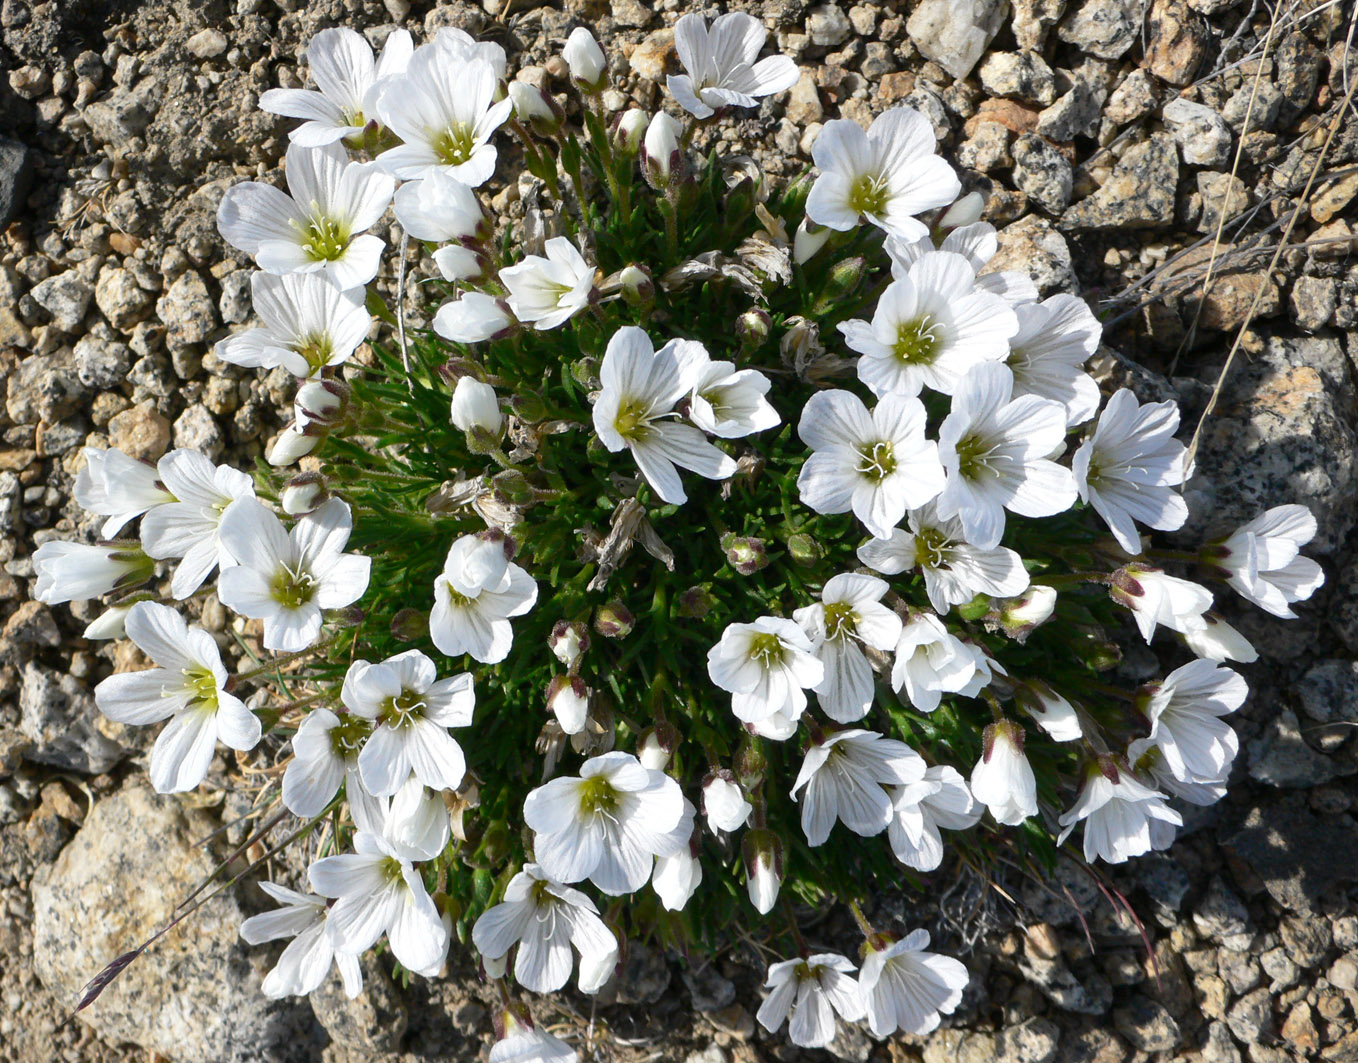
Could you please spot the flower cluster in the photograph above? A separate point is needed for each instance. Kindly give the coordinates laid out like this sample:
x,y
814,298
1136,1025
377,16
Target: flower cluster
x,y
923,538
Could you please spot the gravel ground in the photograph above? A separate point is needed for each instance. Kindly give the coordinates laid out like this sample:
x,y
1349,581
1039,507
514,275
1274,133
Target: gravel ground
x,y
1104,134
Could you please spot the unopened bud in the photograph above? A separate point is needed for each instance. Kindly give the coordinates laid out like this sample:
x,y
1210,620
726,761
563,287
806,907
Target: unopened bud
x,y
763,854
661,158
303,494
568,641
1053,713
751,763
568,700
512,488
724,802
804,549
529,408
109,624
536,108
695,603
409,624
636,286
657,745
1019,616
753,328
614,620
966,211
845,277
475,407
291,445
321,402
746,554
589,67
809,239
629,131
462,265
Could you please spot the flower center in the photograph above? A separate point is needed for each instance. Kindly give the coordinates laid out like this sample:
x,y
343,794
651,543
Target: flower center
x,y
933,549
347,736
390,869
316,349
597,796
868,195
325,239
632,421
352,117
204,686
840,620
455,144
402,710
879,460
767,649
973,457
917,341
292,589
456,598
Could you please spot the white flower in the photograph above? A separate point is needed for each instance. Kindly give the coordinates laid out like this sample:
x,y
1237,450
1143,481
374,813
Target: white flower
x,y
70,572
1216,640
544,919
321,226
1185,714
547,292
720,68
976,241
678,871
1118,813
884,176
631,130
1128,469
443,109
589,68
325,755
1054,340
905,988
475,406
763,869
809,239
1156,598
809,989
188,684
845,778
1050,711
377,891
660,151
474,598
640,387
414,819
568,701
996,452
189,528
292,444
441,209
1032,608
1262,559
1002,779
1147,758
459,46
724,803
118,487
931,326
285,578
306,961
309,324
411,710
473,317
954,571
532,1046
920,808
849,616
342,66
109,623
767,666
729,402
607,825
931,662
877,464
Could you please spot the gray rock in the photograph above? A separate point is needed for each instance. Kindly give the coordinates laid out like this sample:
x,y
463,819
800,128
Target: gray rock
x,y
1147,1024
1133,98
986,149
1020,76
206,43
120,298
850,1043
956,33
1042,172
645,976
66,297
1251,1017
1075,114
116,884
1035,1040
710,989
1088,993
1139,194
1221,917
1220,1047
1262,114
1329,691
372,1023
1221,192
828,26
1280,756
1032,246
198,430
57,713
101,363
1105,28
1314,301
187,311
1164,878
234,304
1298,855
124,113
1032,20
1203,136
16,178
713,1053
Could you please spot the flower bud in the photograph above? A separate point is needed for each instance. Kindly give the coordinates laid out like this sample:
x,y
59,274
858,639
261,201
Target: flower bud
x,y
844,277
512,488
966,211
1053,713
568,700
476,410
536,108
529,408
751,763
724,802
614,620
109,624
321,402
657,745
661,158
629,131
568,641
753,328
636,286
746,554
695,603
409,624
1019,616
291,445
589,68
809,239
304,493
763,854
462,265
495,966
474,318
804,549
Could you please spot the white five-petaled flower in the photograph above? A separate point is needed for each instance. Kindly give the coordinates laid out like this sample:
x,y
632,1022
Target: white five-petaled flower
x,y
545,919
954,571
189,527
876,463
1185,712
309,324
1146,758
1119,814
940,799
474,598
325,755
996,449
977,242
320,226
849,616
906,988
846,778
287,578
1263,562
1047,355
1156,598
1002,779
931,326
306,961
411,710
70,572
931,661
1129,467
635,410
118,487
607,825
720,68
812,989
884,176
348,78
723,400
377,890
461,47
444,110
678,872
547,292
188,684
767,666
